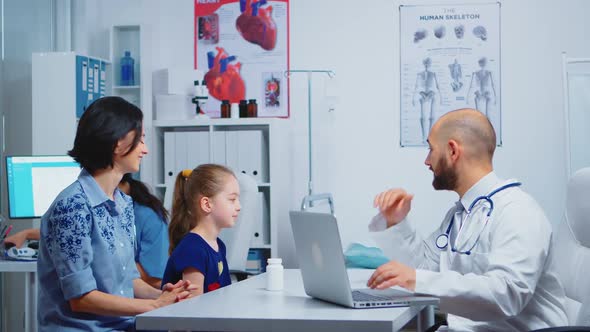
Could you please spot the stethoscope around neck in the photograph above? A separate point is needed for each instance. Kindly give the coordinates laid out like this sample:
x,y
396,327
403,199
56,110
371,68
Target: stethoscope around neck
x,y
442,241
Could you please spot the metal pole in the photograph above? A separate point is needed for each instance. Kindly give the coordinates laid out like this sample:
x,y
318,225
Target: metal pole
x,y
309,135
309,118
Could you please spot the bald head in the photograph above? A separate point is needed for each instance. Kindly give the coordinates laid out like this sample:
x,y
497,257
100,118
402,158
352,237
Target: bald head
x,y
471,129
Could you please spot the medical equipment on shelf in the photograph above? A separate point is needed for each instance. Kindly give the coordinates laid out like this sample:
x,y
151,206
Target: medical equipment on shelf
x,y
442,240
201,97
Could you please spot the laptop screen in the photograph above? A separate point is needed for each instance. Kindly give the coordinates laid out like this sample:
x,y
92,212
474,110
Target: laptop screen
x,y
35,181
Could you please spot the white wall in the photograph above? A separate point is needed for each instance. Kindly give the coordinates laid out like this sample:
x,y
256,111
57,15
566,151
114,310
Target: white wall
x,y
356,148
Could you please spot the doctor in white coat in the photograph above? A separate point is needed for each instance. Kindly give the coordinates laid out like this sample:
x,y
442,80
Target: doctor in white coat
x,y
491,260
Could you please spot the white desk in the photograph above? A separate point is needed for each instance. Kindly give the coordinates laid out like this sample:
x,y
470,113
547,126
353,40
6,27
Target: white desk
x,y
30,271
248,306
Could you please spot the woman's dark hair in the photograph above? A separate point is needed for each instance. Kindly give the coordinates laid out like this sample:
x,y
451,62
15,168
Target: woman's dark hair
x,y
141,194
103,124
207,180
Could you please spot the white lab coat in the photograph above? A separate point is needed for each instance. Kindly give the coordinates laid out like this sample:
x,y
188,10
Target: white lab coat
x,y
508,282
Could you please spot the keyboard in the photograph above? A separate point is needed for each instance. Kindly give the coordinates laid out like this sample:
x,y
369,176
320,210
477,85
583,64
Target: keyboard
x,y
364,297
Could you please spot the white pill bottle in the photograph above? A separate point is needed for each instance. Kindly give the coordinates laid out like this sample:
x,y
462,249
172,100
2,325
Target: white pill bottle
x,y
274,274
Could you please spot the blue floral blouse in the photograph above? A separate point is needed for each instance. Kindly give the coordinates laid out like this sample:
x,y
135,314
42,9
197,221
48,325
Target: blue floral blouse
x,y
87,243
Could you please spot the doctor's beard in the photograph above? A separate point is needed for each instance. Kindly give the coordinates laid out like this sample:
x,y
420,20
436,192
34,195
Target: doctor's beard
x,y
446,179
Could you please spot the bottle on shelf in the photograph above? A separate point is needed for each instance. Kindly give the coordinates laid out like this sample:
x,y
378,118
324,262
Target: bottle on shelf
x,y
127,69
235,111
243,108
252,108
225,109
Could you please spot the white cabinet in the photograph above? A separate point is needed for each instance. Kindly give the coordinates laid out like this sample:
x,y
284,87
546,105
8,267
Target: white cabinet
x,y
63,86
244,145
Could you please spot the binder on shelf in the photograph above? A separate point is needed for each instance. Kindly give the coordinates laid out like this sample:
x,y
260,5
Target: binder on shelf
x,y
90,82
218,146
197,144
260,232
184,150
232,146
254,263
244,152
250,154
169,156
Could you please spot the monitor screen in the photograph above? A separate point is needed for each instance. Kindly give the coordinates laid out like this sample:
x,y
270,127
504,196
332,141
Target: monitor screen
x,y
35,181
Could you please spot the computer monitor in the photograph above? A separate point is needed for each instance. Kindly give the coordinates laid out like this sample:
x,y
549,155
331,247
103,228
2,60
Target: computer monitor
x,y
35,181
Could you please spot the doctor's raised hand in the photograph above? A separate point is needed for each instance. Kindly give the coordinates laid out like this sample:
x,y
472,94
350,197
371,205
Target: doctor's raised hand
x,y
394,205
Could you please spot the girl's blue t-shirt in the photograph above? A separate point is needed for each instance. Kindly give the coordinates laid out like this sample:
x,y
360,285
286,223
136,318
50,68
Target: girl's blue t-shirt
x,y
193,251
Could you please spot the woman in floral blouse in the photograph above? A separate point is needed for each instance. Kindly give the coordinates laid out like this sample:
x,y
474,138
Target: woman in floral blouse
x,y
87,274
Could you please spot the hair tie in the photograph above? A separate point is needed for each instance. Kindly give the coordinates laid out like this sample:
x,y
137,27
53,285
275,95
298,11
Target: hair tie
x,y
187,172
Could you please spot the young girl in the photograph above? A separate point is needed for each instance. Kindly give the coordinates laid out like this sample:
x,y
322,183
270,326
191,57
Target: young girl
x,y
206,200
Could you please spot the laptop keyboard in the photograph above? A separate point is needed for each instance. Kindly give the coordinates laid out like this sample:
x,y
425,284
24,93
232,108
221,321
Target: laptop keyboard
x,y
364,297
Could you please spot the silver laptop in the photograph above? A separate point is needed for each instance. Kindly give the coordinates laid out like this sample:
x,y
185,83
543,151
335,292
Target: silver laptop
x,y
319,251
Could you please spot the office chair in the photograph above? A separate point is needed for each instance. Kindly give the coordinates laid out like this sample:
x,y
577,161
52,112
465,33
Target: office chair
x,y
572,252
237,238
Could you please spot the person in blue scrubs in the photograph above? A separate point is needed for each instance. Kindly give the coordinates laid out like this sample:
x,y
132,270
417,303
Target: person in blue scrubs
x,y
88,279
151,230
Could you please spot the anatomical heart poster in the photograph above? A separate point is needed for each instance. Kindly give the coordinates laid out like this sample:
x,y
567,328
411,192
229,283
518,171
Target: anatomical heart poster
x,y
449,59
242,46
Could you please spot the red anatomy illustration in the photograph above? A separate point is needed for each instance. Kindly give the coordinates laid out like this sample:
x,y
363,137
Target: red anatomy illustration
x,y
223,78
256,25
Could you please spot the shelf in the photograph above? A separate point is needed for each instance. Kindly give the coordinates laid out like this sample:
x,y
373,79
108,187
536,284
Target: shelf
x,y
264,184
242,144
265,246
212,122
125,38
126,87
